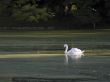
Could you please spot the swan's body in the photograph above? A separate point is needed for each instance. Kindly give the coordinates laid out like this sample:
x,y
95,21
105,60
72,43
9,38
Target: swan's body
x,y
74,53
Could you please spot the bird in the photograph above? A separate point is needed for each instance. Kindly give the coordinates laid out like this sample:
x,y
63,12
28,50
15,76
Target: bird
x,y
73,53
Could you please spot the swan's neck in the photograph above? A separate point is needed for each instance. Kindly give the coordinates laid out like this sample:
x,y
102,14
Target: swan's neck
x,y
66,57
66,49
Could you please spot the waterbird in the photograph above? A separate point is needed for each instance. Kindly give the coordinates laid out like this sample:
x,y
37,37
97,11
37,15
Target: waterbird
x,y
73,53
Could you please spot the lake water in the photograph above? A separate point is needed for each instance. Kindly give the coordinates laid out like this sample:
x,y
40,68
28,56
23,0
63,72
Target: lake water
x,y
88,69
93,67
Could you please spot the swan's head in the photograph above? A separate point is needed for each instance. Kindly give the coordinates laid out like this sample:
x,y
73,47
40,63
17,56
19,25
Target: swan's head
x,y
65,45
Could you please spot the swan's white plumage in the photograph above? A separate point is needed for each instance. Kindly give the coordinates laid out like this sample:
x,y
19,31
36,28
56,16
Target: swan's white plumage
x,y
74,53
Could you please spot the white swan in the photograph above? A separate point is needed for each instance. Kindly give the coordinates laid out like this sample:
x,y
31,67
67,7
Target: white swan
x,y
74,53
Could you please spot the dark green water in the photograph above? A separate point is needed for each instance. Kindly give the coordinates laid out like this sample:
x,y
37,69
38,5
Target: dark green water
x,y
38,41
88,69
